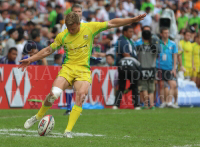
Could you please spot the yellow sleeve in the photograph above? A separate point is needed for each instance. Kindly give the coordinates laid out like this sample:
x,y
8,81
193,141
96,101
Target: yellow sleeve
x,y
97,27
57,42
181,44
180,50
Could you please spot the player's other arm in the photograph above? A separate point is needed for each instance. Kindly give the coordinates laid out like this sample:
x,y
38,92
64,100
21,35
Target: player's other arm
x,y
118,22
40,55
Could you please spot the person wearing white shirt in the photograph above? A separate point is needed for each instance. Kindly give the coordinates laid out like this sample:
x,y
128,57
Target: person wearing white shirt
x,y
77,8
103,14
147,21
121,12
128,6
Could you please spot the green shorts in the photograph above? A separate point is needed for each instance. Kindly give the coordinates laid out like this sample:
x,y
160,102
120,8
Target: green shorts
x,y
147,85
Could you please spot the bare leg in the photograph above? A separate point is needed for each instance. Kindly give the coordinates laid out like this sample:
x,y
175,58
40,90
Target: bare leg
x,y
146,97
82,88
151,98
166,93
172,85
141,97
161,86
176,95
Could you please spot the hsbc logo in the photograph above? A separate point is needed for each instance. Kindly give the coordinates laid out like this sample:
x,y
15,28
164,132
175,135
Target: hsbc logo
x,y
109,96
17,97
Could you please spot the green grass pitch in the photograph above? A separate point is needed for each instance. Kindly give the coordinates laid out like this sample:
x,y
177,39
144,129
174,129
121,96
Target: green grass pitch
x,y
106,128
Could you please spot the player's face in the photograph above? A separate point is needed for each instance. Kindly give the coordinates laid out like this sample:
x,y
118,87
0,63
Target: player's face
x,y
187,36
73,29
78,11
165,34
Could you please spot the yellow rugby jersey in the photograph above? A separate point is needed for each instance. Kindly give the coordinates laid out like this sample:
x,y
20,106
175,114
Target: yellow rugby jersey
x,y
187,53
196,54
78,47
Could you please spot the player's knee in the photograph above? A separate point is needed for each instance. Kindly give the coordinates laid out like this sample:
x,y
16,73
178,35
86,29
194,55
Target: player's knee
x,y
54,94
56,91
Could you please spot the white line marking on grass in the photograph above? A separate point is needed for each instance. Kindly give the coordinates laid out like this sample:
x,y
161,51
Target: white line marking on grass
x,y
188,145
54,135
5,117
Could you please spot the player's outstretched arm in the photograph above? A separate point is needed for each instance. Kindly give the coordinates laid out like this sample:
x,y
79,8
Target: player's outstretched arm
x,y
40,55
118,22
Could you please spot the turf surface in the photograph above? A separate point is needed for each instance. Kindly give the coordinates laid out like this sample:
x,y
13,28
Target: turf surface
x,y
143,128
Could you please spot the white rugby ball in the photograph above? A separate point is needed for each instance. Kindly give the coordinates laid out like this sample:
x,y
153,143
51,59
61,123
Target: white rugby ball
x,y
46,125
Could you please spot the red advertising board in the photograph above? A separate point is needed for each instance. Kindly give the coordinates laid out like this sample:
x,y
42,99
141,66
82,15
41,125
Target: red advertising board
x,y
19,87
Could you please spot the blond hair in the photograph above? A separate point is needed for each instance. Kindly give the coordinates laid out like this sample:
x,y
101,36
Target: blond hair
x,y
72,18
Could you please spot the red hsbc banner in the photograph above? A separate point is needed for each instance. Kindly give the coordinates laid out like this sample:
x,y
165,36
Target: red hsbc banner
x,y
23,89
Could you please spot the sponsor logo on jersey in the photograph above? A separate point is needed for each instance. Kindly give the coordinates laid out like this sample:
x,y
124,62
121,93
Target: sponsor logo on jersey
x,y
85,37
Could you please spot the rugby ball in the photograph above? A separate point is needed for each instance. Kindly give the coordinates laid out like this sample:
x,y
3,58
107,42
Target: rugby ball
x,y
46,125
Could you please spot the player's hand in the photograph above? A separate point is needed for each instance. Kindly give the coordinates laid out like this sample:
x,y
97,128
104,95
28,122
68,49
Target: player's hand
x,y
139,18
24,63
173,72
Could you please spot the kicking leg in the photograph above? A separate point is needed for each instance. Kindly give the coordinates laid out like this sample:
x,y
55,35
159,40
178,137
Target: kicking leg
x,y
59,84
82,88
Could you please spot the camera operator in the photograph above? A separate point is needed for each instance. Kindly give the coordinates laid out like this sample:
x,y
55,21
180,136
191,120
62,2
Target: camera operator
x,y
147,49
128,66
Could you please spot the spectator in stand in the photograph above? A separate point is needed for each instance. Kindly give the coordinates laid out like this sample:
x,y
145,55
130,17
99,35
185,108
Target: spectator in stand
x,y
4,16
103,14
45,36
110,60
183,20
58,60
146,4
28,27
129,7
116,35
35,35
197,5
54,32
187,60
52,16
121,12
155,24
59,14
107,43
147,21
34,44
13,33
195,18
32,50
10,58
166,65
20,45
